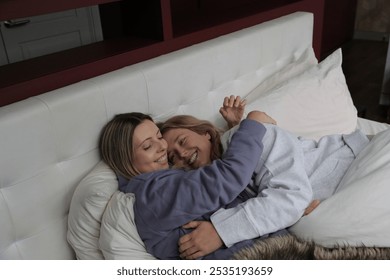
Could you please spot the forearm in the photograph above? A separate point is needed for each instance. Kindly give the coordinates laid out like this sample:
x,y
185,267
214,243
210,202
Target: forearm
x,y
224,179
260,215
284,192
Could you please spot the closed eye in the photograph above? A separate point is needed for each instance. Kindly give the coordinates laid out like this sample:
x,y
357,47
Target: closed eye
x,y
147,147
182,141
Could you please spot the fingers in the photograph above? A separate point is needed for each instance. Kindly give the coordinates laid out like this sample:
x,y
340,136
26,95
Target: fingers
x,y
187,237
184,239
191,254
233,101
183,247
313,205
192,224
223,112
187,249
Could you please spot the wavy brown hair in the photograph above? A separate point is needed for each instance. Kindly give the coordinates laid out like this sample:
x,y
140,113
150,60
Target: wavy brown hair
x,y
196,125
116,143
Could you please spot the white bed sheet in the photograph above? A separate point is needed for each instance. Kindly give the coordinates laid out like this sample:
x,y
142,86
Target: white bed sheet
x,y
370,127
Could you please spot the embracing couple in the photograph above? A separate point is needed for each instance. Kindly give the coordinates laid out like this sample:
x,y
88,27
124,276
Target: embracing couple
x,y
203,194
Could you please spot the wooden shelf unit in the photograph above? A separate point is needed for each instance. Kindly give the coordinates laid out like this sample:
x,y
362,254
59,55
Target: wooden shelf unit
x,y
134,31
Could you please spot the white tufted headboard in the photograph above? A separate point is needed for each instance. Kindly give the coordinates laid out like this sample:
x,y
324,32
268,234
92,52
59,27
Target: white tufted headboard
x,y
49,142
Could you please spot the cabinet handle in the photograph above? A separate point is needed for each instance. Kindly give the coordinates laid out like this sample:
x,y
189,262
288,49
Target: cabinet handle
x,y
15,23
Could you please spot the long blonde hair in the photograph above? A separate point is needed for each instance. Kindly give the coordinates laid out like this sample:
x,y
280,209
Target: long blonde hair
x,y
199,126
116,143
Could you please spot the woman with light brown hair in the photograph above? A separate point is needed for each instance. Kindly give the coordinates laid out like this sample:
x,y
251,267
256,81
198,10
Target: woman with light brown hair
x,y
291,173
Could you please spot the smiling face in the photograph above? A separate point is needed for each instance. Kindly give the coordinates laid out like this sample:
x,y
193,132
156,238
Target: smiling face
x,y
149,148
188,149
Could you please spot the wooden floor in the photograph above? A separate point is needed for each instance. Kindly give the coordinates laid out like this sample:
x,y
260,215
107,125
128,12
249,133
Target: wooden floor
x,y
363,66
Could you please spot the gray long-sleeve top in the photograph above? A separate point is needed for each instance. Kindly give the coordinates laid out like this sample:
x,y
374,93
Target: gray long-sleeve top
x,y
167,199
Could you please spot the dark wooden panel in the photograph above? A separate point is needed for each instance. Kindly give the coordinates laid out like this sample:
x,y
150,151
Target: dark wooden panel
x,y
339,23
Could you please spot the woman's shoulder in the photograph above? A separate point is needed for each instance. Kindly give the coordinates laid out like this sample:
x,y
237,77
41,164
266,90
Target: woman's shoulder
x,y
158,174
143,179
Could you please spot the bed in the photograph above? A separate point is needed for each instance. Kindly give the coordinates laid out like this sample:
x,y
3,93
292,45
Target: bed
x,y
58,200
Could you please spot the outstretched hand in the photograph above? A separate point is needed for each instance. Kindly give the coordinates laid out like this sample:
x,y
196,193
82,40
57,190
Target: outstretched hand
x,y
232,110
202,241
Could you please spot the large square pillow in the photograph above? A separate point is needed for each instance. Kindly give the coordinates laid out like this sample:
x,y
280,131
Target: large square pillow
x,y
312,104
88,204
297,66
101,219
119,238
358,213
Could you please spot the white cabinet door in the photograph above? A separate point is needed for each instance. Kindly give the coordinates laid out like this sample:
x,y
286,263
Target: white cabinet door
x,y
26,38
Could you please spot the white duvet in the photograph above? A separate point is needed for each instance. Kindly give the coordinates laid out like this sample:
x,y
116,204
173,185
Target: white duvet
x,y
359,212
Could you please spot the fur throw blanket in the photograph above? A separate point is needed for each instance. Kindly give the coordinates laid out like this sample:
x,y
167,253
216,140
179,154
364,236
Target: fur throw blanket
x,y
289,247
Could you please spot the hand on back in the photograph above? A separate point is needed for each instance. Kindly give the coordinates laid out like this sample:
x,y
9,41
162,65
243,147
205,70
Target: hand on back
x,y
260,117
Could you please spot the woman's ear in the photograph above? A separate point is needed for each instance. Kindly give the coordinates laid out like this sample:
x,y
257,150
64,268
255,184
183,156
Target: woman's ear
x,y
208,136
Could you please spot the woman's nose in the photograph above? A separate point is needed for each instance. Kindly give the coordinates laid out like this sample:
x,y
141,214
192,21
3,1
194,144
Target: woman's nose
x,y
182,153
163,144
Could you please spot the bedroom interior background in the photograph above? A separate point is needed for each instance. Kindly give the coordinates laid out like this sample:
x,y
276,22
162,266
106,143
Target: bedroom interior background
x,y
36,130
161,27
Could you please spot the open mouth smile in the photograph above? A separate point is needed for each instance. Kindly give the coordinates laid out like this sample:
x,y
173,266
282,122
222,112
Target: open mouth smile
x,y
193,158
162,159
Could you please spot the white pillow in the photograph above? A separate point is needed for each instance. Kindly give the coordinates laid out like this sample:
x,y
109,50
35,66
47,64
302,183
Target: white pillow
x,y
304,62
358,213
86,210
119,238
312,104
